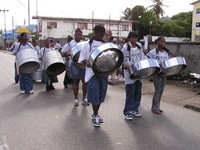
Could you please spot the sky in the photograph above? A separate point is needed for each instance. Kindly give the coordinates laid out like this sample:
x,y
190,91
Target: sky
x,y
101,9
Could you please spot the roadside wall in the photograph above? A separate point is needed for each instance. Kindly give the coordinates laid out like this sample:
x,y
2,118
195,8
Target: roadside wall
x,y
189,50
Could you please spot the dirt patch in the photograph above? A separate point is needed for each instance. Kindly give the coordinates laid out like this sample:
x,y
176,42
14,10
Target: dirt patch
x,y
176,92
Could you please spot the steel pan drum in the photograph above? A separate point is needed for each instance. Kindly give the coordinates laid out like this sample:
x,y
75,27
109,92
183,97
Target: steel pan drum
x,y
75,52
144,68
173,65
38,74
106,59
28,61
53,63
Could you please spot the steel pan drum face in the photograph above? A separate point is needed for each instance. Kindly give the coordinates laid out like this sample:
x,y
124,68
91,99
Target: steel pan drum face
x,y
75,52
145,68
173,66
28,61
53,63
106,59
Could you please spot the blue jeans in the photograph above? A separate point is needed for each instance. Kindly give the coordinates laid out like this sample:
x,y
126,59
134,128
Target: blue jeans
x,y
133,97
97,89
26,82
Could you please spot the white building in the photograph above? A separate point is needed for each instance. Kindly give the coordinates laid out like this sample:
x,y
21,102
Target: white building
x,y
62,27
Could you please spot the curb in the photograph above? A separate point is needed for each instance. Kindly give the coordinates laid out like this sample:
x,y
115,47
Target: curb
x,y
194,108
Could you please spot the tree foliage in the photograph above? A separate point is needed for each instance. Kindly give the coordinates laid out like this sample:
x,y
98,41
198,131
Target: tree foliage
x,y
179,25
157,9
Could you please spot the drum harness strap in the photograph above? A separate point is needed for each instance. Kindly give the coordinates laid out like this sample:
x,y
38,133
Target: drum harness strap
x,y
21,44
90,42
129,49
45,50
165,49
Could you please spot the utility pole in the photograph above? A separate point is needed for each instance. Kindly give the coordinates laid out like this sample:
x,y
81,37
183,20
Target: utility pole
x,y
29,16
4,11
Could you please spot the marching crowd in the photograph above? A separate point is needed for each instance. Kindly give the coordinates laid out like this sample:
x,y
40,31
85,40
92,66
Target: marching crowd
x,y
94,87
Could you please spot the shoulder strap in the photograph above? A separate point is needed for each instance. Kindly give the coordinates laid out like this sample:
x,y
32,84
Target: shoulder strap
x,y
44,50
19,47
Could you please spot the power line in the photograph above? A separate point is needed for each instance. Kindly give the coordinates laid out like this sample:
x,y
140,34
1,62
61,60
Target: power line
x,y
22,4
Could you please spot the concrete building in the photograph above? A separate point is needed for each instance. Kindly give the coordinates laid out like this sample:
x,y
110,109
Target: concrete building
x,y
196,22
62,27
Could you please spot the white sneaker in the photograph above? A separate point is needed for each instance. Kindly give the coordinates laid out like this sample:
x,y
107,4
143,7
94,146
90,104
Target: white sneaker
x,y
136,114
96,121
100,119
22,92
85,102
31,92
76,102
129,117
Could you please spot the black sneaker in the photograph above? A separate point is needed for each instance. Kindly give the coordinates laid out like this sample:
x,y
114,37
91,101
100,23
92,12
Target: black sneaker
x,y
48,88
52,87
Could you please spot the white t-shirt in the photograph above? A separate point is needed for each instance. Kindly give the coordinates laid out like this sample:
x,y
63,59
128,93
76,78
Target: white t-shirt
x,y
42,52
57,46
19,47
160,56
67,47
131,57
85,54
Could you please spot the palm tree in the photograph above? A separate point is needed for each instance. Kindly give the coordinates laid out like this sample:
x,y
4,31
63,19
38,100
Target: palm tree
x,y
157,9
127,14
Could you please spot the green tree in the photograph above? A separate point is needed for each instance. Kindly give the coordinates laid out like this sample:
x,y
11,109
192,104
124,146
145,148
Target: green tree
x,y
157,9
127,14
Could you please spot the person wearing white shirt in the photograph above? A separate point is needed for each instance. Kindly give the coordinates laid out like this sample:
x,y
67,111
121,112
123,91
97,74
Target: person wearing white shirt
x,y
35,45
133,86
25,79
160,53
48,78
57,45
76,73
67,80
96,85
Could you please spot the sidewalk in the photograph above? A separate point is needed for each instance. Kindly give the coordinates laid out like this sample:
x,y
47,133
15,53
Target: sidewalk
x,y
176,92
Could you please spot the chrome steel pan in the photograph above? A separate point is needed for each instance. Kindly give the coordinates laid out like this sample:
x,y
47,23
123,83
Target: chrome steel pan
x,y
37,75
144,68
173,65
27,60
106,59
75,52
53,63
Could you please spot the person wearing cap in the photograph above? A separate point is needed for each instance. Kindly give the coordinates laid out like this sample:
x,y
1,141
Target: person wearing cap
x,y
133,85
76,74
96,85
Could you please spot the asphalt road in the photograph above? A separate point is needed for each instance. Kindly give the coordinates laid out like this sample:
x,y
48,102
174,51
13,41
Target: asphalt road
x,y
49,121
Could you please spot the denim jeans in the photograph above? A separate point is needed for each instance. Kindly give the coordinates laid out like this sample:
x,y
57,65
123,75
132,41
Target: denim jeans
x,y
133,97
159,84
26,82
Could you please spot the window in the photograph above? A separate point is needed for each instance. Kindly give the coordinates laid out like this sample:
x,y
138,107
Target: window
x,y
51,25
82,25
198,11
125,27
197,24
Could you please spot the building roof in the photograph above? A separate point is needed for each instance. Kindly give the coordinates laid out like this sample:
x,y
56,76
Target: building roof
x,y
195,2
77,19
